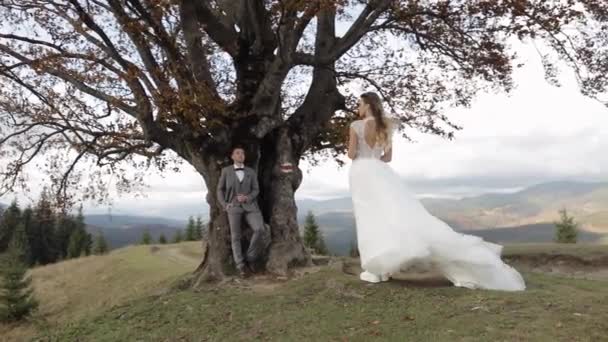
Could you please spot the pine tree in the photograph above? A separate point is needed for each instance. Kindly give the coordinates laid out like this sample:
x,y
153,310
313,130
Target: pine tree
x,y
321,247
101,245
65,226
76,244
146,238
190,230
42,235
27,218
162,239
199,228
87,239
16,300
20,245
178,237
87,244
311,231
313,238
566,230
8,222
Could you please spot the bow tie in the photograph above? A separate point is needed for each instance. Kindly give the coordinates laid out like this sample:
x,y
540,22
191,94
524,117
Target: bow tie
x,y
239,169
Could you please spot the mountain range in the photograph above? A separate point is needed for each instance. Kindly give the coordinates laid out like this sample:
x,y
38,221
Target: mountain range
x,y
523,216
587,202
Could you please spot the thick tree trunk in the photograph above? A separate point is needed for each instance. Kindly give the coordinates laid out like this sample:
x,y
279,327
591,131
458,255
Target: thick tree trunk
x,y
217,260
279,177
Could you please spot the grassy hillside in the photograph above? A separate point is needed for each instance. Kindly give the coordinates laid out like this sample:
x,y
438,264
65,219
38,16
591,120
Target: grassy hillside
x,y
79,288
333,306
123,297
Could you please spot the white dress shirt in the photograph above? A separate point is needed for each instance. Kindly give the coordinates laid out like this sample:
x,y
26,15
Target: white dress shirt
x,y
240,173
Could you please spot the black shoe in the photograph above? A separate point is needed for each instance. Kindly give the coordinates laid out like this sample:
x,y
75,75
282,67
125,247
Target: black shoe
x,y
243,272
253,268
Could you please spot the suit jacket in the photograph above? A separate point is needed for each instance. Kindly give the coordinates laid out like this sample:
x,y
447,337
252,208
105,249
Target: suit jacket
x,y
229,186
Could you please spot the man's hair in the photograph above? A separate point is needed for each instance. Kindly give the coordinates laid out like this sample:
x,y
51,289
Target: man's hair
x,y
237,147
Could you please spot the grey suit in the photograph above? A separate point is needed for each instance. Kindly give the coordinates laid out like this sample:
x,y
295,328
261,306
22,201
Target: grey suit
x,y
228,188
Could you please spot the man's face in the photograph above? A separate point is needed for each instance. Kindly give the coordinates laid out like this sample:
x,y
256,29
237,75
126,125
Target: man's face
x,y
238,155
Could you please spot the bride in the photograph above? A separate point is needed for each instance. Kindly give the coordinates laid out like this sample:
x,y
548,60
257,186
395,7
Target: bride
x,y
395,231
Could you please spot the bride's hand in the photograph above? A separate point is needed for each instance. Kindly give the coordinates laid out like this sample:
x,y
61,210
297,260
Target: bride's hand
x,y
388,155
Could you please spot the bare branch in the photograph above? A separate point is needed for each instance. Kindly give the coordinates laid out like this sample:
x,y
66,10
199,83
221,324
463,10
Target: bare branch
x,y
224,36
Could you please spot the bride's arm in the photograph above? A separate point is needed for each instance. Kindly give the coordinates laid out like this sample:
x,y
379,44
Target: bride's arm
x,y
388,155
352,144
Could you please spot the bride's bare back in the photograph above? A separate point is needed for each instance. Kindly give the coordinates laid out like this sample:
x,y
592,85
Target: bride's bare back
x,y
367,140
369,132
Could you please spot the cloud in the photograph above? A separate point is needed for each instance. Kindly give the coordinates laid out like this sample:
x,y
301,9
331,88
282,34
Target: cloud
x,y
538,133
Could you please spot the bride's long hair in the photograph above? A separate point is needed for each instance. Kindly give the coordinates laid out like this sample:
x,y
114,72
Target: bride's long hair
x,y
375,106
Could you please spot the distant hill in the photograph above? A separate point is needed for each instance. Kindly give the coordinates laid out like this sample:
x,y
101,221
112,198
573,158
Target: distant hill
x,y
343,204
120,237
533,233
126,221
122,230
339,233
587,202
524,216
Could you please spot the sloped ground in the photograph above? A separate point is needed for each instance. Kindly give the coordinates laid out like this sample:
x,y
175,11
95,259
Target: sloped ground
x,y
79,288
330,305
123,297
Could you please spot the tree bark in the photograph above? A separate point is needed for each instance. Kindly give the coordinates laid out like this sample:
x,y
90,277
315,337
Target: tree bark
x,y
280,178
217,261
276,163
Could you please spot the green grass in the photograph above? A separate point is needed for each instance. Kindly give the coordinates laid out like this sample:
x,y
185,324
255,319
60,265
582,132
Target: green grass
x,y
123,297
333,306
79,288
580,250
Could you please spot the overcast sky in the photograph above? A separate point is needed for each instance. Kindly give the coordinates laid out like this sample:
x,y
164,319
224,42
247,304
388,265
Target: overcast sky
x,y
538,133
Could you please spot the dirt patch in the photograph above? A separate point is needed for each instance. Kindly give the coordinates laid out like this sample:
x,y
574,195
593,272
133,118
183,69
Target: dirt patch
x,y
267,283
259,283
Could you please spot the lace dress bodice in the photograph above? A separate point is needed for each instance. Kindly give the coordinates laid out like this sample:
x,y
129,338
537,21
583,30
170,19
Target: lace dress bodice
x,y
363,148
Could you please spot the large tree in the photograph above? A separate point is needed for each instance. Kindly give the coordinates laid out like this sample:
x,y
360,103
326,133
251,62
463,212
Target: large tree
x,y
140,84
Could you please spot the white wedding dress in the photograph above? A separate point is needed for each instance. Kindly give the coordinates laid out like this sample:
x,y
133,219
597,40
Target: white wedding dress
x,y
394,230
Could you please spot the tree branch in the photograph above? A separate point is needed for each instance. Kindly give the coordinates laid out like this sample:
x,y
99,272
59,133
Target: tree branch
x,y
358,29
196,53
226,37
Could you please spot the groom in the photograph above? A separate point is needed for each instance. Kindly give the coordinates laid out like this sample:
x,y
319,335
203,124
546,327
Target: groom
x,y
237,193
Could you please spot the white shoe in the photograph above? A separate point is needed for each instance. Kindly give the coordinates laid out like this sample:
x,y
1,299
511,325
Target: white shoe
x,y
369,277
385,277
